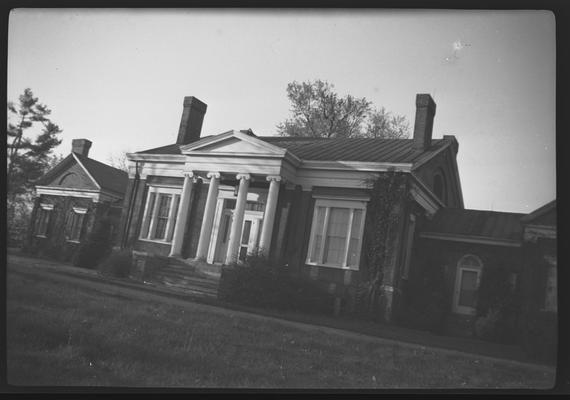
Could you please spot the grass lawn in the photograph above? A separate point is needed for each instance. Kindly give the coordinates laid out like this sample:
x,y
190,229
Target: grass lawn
x,y
59,334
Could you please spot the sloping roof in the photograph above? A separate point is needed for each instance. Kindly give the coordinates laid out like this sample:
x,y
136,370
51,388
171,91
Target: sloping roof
x,y
492,225
106,176
340,149
543,215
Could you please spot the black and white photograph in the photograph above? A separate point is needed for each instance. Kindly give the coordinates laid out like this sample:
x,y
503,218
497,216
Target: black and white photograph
x,y
281,199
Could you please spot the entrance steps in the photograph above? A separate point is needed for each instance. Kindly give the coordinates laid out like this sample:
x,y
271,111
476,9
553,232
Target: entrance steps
x,y
194,277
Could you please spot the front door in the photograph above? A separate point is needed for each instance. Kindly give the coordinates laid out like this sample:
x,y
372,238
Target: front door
x,y
250,234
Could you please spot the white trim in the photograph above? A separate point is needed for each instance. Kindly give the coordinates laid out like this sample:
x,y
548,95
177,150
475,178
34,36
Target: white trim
x,y
150,216
80,210
359,166
86,171
470,239
46,206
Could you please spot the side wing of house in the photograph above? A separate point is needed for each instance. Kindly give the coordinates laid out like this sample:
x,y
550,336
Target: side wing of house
x,y
441,175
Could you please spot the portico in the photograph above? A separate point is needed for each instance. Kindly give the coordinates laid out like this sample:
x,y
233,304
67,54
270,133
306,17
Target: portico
x,y
237,220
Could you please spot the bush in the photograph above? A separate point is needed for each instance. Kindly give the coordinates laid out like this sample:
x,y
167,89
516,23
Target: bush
x,y
118,264
97,247
261,283
427,302
539,335
497,307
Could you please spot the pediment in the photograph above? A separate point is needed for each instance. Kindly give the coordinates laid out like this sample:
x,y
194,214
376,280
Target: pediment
x,y
232,143
69,174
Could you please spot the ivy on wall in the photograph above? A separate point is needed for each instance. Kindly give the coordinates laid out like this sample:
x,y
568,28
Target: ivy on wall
x,y
388,192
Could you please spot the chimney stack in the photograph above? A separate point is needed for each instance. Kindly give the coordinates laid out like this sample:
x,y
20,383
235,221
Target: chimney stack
x,y
81,146
191,122
425,111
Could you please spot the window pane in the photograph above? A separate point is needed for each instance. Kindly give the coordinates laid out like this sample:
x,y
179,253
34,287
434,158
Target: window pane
x,y
355,240
319,222
335,244
162,216
468,288
146,222
174,216
246,232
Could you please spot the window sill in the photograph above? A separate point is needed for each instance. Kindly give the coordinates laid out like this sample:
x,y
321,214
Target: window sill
x,y
41,236
72,241
155,241
313,264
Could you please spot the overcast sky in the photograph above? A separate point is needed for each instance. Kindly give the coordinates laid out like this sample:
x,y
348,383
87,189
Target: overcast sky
x,y
118,78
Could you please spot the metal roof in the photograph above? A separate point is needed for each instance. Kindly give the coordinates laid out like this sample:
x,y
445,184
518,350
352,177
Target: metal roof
x,y
492,225
106,176
340,149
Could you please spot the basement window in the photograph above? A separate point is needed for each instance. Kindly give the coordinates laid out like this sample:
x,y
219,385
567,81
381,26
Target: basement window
x,y
336,233
160,214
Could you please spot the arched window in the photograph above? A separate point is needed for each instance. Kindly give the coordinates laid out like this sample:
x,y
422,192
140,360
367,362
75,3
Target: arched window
x,y
467,281
69,180
439,188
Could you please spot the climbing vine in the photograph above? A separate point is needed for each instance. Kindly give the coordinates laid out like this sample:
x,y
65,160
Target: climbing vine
x,y
383,216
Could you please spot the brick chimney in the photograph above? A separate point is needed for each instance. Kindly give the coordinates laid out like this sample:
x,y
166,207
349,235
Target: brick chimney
x,y
81,146
191,122
425,111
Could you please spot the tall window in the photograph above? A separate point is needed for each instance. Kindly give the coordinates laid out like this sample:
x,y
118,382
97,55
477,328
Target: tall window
x,y
160,214
43,219
467,281
74,224
336,234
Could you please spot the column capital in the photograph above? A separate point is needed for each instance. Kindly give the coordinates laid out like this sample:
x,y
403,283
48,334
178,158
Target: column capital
x,y
276,178
239,177
215,175
189,174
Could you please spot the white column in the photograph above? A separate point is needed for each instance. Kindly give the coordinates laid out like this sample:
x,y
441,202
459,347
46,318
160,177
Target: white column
x,y
208,220
182,215
269,215
237,222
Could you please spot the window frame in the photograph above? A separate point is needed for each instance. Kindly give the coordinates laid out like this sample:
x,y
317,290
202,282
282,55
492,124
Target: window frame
x,y
76,211
45,209
462,267
327,204
149,221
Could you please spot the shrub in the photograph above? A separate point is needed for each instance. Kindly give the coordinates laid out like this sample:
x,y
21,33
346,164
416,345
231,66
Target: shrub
x,y
97,247
497,307
117,264
427,302
259,282
539,335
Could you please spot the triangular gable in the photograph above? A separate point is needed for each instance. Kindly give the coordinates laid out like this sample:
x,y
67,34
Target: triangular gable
x,y
70,174
232,143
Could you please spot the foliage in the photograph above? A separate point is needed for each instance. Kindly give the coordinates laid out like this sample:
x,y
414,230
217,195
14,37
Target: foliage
x,y
258,282
318,111
119,160
97,247
497,306
19,211
427,300
383,216
539,335
27,159
118,264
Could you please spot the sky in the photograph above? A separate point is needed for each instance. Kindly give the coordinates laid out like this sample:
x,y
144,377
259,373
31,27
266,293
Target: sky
x,y
119,77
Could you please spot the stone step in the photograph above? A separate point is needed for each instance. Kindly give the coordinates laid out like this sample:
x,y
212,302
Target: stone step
x,y
187,282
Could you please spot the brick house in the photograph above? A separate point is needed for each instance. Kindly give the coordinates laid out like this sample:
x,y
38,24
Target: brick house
x,y
299,201
72,200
